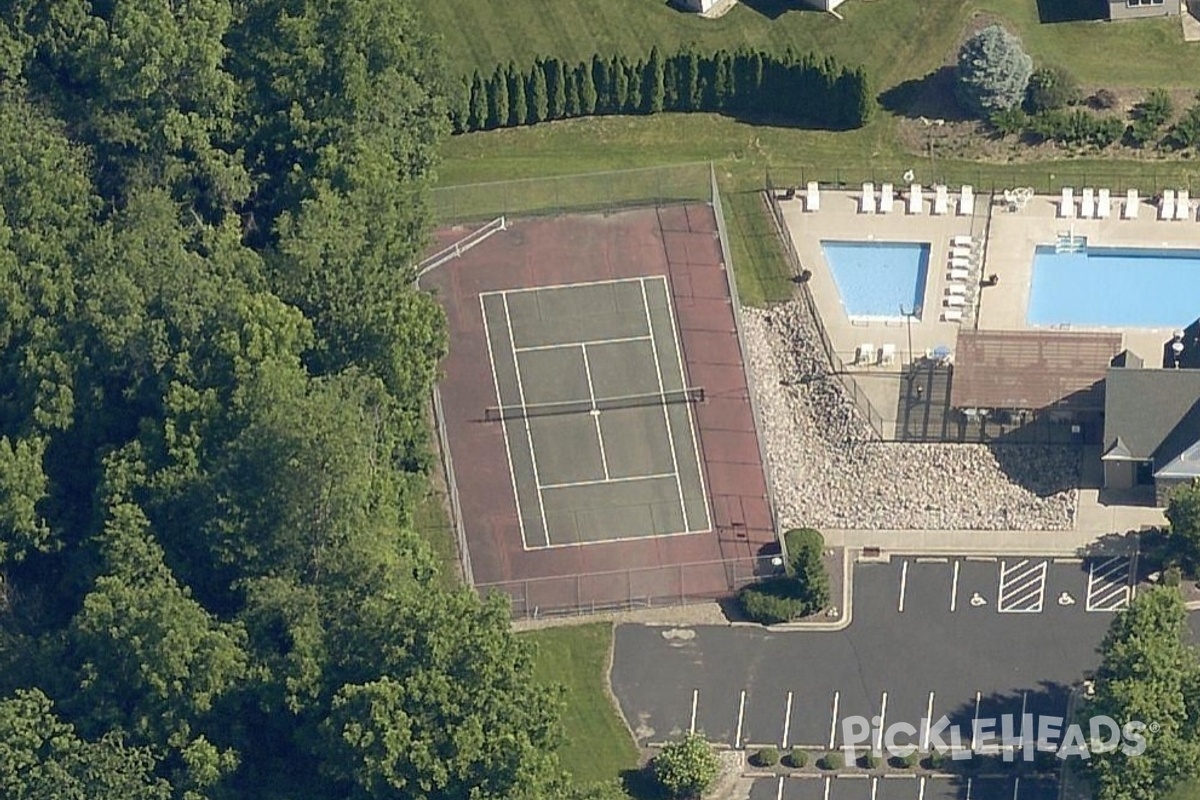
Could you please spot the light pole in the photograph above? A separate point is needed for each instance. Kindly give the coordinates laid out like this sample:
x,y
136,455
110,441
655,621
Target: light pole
x,y
908,318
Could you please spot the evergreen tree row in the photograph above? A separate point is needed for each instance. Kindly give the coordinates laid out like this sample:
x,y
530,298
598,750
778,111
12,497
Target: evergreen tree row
x,y
796,89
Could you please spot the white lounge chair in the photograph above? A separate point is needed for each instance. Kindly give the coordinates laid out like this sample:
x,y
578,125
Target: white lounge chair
x,y
954,300
1132,203
966,201
867,205
961,252
940,199
887,354
916,202
956,288
812,197
960,262
1103,204
1183,206
1166,206
951,315
959,274
1087,203
865,354
962,240
887,198
1066,206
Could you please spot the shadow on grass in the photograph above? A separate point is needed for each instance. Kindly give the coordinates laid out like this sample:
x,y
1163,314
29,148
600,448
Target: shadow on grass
x,y
774,9
640,784
1050,11
931,96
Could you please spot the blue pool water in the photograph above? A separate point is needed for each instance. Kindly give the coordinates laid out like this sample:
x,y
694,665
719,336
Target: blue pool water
x,y
1115,287
876,278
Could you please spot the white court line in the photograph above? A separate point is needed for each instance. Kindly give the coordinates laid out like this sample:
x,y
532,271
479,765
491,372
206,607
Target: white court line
x,y
530,348
928,724
527,289
882,723
691,418
737,737
833,724
903,586
787,722
504,424
598,482
587,370
954,587
528,430
666,416
695,702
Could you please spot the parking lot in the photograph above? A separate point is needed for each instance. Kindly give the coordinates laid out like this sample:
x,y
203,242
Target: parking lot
x,y
902,787
969,639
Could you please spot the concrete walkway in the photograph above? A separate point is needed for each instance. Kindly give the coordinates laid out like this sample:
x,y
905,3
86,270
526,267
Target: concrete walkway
x,y
965,543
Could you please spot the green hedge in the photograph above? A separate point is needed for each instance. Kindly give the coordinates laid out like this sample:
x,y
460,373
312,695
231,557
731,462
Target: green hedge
x,y
802,90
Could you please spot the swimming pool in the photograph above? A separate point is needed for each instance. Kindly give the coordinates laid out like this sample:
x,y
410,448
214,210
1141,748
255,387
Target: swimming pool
x,y
876,278
1115,287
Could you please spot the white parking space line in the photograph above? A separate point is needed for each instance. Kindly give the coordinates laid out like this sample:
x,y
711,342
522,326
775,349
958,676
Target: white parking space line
x,y
833,723
1016,787
975,727
695,702
874,787
737,737
828,781
921,791
882,723
927,724
954,587
1022,587
903,586
787,722
779,792
1108,587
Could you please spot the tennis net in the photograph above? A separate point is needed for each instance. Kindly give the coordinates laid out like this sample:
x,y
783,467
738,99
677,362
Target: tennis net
x,y
694,394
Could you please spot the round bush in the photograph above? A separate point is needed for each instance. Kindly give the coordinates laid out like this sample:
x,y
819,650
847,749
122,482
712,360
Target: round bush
x,y
909,761
937,760
767,757
871,760
797,759
831,761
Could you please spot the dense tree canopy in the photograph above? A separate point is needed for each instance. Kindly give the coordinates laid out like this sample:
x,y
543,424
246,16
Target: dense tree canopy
x,y
213,370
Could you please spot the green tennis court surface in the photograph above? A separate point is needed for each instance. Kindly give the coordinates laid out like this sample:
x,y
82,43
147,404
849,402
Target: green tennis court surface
x,y
597,415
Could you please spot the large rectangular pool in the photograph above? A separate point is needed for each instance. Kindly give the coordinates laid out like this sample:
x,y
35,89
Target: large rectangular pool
x,y
1115,287
875,279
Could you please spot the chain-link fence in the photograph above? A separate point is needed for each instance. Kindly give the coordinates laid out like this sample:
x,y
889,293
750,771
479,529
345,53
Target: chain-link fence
x,y
597,191
641,587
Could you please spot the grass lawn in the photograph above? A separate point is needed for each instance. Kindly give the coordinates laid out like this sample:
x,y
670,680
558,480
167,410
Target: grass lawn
x,y
598,745
1186,791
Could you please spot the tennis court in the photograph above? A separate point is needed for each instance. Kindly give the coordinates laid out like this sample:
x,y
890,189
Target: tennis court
x,y
597,415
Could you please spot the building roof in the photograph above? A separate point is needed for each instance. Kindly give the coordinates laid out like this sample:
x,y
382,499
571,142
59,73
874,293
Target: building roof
x,y
1032,369
1154,415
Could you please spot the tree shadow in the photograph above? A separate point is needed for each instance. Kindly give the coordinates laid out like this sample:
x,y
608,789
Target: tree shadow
x,y
640,784
1049,699
1051,11
1043,470
931,97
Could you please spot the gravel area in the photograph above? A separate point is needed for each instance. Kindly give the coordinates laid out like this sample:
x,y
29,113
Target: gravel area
x,y
829,471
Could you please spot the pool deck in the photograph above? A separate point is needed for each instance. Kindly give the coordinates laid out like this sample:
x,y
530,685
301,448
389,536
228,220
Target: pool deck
x,y
1010,241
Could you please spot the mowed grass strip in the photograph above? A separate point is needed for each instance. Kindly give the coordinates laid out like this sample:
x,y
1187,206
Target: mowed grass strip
x,y
895,41
598,746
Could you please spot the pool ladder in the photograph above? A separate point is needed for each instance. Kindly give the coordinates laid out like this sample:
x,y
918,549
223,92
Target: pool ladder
x,y
1070,243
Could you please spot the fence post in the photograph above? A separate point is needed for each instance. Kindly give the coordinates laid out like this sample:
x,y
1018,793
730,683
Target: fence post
x,y
682,594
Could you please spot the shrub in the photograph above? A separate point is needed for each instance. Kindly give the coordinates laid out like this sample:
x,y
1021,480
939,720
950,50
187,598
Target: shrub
x,y
767,757
1009,121
770,602
687,767
797,759
871,760
907,761
1172,575
1186,132
1050,88
937,759
1156,109
1104,99
993,72
806,566
831,761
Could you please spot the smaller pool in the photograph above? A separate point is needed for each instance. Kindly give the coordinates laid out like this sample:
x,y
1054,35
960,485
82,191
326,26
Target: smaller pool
x,y
876,278
1116,287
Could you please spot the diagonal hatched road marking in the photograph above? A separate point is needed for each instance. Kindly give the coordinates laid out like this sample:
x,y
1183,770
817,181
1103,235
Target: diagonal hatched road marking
x,y
1108,587
1022,587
